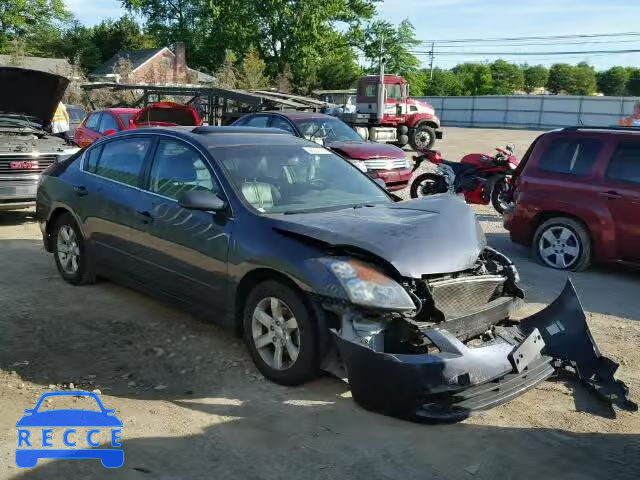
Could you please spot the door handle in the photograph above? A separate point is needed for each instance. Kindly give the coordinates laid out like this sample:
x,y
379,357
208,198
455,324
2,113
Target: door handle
x,y
611,195
146,216
80,190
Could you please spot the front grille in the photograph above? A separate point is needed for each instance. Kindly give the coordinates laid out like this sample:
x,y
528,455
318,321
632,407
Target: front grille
x,y
21,164
385,163
458,297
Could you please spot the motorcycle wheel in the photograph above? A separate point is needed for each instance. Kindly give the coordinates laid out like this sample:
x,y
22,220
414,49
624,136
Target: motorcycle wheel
x,y
500,195
427,184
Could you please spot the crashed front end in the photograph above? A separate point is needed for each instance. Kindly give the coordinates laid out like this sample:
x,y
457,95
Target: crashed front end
x,y
441,347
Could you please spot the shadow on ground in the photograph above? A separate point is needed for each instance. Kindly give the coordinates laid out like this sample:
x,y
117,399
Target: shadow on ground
x,y
16,217
273,440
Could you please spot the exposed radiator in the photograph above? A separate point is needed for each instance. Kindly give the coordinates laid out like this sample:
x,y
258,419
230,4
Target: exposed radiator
x,y
457,297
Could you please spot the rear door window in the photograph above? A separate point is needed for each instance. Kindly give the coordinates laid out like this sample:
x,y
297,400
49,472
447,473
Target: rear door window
x,y
258,121
122,160
625,163
281,123
93,121
108,123
571,156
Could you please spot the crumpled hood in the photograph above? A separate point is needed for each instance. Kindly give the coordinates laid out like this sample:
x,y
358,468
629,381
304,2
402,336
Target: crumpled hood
x,y
365,150
31,92
425,236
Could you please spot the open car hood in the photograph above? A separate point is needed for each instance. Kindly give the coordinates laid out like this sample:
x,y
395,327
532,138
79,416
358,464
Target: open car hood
x,y
365,150
425,236
166,114
31,92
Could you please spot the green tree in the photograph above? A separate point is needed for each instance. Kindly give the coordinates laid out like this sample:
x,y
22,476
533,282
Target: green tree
x,y
227,75
397,43
34,22
474,78
535,77
252,73
113,36
338,69
561,79
77,44
444,83
633,84
613,82
584,76
283,80
507,77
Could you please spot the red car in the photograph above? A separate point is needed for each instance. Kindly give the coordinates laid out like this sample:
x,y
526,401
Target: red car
x,y
577,198
379,160
111,120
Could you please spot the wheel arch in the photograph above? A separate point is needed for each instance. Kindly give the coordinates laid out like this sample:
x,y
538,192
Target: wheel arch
x,y
262,274
56,213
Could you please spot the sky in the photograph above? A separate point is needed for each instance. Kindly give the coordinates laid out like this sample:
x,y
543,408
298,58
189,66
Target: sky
x,y
443,20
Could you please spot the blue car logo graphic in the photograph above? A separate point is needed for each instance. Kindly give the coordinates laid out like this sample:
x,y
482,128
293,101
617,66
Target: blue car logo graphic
x,y
36,429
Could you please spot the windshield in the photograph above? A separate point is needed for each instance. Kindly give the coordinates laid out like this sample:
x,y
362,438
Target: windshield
x,y
326,130
124,118
296,178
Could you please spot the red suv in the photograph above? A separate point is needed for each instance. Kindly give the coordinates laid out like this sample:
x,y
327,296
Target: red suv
x,y
577,198
111,120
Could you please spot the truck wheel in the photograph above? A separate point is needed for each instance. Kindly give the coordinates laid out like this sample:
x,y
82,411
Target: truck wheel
x,y
563,243
422,137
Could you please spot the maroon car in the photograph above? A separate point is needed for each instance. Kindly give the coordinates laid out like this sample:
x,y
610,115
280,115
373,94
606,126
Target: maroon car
x,y
379,160
577,198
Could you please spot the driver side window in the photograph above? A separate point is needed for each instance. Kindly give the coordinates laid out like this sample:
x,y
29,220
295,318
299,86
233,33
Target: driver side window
x,y
178,168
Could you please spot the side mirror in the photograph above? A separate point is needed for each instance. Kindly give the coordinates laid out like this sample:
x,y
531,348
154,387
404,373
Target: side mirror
x,y
109,132
380,182
202,200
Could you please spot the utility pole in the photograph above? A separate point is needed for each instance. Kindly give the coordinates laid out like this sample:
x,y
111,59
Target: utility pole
x,y
432,56
381,95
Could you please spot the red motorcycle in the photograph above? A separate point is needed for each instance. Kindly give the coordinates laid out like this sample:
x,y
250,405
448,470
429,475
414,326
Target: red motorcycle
x,y
479,177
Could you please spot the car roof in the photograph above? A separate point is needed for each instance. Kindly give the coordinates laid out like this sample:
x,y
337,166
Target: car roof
x,y
299,115
224,136
598,130
119,110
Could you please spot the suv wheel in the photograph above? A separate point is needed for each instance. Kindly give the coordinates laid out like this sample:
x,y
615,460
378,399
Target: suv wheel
x,y
563,243
70,252
280,333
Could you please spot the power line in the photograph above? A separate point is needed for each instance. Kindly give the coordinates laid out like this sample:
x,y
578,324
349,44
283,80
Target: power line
x,y
547,37
546,44
586,52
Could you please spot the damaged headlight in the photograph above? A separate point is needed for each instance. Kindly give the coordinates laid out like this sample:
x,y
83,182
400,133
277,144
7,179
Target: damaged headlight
x,y
368,287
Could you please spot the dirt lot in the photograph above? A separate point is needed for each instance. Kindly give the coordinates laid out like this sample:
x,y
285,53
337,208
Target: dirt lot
x,y
193,405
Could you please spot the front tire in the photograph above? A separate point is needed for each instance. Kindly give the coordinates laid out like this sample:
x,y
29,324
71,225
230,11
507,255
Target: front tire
x,y
70,252
563,243
281,334
422,138
427,184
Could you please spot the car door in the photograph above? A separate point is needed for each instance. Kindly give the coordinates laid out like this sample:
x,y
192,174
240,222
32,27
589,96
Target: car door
x,y
184,252
88,133
621,192
109,191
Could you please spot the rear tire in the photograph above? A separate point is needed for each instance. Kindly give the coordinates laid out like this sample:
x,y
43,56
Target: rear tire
x,y
427,184
422,137
563,243
499,195
70,252
281,333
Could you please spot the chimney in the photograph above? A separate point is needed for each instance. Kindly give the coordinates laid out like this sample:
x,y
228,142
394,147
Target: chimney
x,y
180,63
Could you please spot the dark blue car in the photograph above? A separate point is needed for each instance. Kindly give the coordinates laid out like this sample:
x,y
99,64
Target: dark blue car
x,y
104,418
313,262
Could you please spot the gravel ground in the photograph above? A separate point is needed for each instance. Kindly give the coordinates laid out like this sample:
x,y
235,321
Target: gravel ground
x,y
193,405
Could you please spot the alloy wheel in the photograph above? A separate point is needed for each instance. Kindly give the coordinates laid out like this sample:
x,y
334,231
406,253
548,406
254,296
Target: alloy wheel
x,y
68,249
559,247
275,333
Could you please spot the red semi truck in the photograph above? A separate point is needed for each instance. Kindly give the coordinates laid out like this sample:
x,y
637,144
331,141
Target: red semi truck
x,y
402,120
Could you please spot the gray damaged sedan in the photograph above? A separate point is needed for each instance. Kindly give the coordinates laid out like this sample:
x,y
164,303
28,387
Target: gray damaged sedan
x,y
317,266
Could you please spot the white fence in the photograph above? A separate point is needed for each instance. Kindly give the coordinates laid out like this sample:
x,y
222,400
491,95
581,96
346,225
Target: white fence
x,y
531,111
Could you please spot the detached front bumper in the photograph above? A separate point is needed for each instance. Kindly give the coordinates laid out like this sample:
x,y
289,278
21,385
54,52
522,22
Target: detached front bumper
x,y
458,380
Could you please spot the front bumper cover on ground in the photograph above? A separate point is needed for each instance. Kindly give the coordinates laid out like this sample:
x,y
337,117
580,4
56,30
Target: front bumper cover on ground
x,y
450,385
